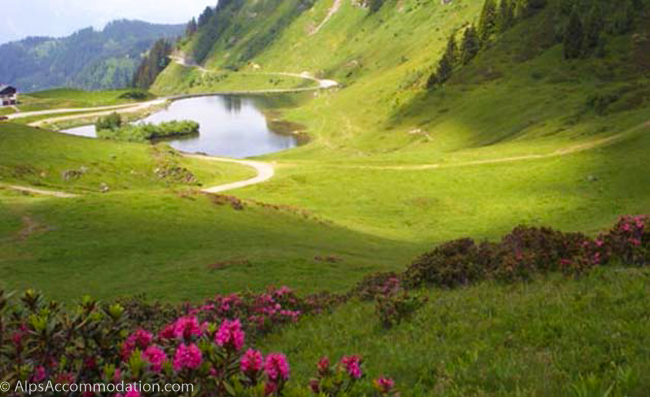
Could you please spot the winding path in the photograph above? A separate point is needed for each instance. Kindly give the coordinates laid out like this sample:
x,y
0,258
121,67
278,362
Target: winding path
x,y
125,107
39,192
333,10
265,171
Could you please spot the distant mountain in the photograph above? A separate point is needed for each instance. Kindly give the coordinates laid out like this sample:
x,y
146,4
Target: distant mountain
x,y
87,59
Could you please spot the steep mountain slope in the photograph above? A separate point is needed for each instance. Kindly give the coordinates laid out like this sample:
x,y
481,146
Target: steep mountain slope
x,y
87,59
518,115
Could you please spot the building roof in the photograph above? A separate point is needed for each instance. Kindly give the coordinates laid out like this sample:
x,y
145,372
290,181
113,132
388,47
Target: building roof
x,y
7,90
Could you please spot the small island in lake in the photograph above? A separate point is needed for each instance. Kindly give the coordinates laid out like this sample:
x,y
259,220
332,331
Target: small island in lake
x,y
113,127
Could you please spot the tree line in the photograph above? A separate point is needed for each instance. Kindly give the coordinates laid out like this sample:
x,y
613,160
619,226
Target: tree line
x,y
153,64
582,34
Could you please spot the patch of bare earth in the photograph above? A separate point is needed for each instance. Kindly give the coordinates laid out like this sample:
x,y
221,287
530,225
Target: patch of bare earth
x,y
30,228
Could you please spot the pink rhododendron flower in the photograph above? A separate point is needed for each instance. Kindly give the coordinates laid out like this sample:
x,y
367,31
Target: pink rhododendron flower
x,y
252,362
117,376
187,327
230,335
283,291
384,385
155,356
167,333
352,365
39,374
187,357
140,339
324,366
276,367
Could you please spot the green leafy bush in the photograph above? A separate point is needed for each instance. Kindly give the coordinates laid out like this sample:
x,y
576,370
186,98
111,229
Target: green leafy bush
x,y
529,251
394,309
451,264
112,127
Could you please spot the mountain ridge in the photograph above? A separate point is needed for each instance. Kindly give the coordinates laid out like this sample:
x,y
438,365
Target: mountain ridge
x,y
87,59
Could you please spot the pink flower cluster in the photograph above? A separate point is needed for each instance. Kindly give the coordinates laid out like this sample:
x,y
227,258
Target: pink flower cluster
x,y
187,357
140,339
276,367
384,385
187,328
155,356
230,336
251,363
352,365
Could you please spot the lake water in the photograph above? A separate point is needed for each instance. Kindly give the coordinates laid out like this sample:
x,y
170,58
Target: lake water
x,y
230,126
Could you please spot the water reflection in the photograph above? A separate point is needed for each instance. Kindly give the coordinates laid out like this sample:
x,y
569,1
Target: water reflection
x,y
230,126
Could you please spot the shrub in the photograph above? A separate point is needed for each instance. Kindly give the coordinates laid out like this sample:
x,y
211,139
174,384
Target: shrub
x,y
377,284
136,95
110,129
451,264
528,250
628,242
111,122
207,345
394,309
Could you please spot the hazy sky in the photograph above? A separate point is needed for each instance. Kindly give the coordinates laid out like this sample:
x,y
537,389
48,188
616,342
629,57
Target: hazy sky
x,y
22,18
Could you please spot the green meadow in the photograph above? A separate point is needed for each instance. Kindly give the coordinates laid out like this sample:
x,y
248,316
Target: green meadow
x,y
392,168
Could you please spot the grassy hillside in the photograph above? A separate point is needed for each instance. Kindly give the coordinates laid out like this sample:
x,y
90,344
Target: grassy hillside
x,y
512,138
553,337
155,226
64,98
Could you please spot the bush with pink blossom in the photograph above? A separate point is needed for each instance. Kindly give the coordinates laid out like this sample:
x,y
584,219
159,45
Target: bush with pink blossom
x,y
100,343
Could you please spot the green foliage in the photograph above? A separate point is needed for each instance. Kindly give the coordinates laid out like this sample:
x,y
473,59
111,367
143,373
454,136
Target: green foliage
x,y
470,46
446,64
138,95
487,25
594,27
494,340
600,102
111,122
375,5
395,309
111,127
206,16
623,17
574,37
528,8
506,17
212,24
87,59
192,28
152,64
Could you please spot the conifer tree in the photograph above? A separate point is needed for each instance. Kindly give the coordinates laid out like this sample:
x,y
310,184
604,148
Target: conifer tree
x,y
451,52
506,18
573,36
192,28
594,26
488,20
205,16
470,45
528,8
623,17
446,64
152,64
